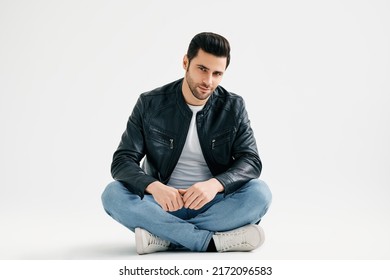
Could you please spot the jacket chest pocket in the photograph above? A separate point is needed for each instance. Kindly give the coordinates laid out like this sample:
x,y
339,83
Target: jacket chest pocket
x,y
221,146
161,139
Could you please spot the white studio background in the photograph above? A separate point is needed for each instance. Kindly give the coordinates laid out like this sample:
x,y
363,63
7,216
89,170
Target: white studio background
x,y
315,77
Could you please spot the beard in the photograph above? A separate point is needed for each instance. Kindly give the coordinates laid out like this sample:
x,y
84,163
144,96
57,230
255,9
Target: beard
x,y
200,91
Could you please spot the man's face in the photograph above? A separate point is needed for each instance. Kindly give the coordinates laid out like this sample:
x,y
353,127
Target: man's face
x,y
203,74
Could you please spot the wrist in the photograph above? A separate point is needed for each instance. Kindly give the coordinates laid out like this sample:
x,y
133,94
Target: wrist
x,y
152,187
218,186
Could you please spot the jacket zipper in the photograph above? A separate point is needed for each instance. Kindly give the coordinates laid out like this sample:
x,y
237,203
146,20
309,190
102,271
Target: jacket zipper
x,y
171,145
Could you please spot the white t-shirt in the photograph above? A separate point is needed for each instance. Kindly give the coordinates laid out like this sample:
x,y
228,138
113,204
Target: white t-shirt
x,y
191,167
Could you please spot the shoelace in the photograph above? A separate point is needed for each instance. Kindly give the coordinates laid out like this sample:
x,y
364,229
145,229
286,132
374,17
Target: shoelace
x,y
233,240
154,240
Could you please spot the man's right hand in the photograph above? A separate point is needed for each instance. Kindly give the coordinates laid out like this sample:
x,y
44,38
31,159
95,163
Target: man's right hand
x,y
167,197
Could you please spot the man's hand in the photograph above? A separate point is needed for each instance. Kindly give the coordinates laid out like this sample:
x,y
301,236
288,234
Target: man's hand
x,y
167,197
196,196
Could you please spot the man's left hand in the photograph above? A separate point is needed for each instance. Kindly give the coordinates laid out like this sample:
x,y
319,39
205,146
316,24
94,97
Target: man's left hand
x,y
199,194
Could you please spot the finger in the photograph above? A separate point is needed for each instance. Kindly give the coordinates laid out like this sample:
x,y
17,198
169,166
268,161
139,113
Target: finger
x,y
180,202
182,191
197,204
188,199
164,206
198,200
188,193
171,206
175,205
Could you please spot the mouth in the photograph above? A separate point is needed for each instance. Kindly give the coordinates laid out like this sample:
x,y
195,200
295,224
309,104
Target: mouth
x,y
204,89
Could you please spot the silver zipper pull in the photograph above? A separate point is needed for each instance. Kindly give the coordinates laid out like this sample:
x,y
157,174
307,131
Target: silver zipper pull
x,y
171,140
212,144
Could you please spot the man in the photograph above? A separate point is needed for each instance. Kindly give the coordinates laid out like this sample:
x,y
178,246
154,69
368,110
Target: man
x,y
197,188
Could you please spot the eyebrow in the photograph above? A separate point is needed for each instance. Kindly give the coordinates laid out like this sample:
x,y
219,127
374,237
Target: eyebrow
x,y
201,65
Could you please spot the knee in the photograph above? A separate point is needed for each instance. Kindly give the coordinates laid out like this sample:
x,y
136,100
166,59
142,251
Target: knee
x,y
264,191
111,194
260,193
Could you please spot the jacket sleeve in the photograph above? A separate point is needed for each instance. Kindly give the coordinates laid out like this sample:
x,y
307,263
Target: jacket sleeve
x,y
125,166
246,161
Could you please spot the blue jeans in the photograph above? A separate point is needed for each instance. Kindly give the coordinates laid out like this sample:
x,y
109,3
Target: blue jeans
x,y
186,228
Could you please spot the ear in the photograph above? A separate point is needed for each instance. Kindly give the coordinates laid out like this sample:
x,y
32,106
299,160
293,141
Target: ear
x,y
185,62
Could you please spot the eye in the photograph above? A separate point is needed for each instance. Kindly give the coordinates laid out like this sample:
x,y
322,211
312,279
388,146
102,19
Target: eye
x,y
203,69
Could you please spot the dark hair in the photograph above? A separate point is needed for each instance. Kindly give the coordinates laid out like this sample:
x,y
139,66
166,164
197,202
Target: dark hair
x,y
211,43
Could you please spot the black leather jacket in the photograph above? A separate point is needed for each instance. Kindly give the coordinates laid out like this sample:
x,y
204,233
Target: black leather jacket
x,y
157,130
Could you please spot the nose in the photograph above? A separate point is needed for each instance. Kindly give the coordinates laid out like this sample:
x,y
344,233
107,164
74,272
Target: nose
x,y
208,79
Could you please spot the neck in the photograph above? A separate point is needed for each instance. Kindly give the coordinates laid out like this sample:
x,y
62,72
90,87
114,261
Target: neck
x,y
189,97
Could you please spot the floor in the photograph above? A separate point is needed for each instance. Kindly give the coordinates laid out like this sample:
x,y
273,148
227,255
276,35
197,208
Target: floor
x,y
75,230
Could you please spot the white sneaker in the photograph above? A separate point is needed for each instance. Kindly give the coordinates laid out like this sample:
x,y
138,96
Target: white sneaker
x,y
148,243
246,238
